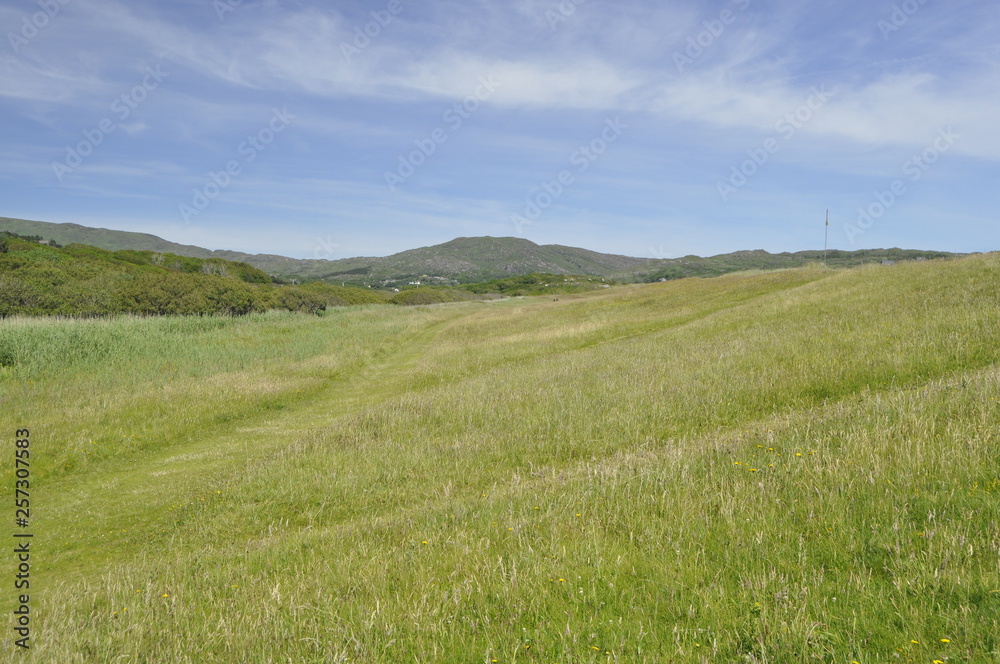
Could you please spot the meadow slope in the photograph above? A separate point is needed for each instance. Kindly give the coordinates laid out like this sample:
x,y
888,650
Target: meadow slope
x,y
795,466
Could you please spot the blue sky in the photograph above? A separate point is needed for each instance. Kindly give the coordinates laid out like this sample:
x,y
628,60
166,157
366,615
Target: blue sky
x,y
327,130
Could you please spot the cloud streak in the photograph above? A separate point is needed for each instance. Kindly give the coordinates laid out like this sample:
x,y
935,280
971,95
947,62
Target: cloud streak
x,y
752,64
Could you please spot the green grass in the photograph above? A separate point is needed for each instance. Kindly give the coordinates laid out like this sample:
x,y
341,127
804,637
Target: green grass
x,y
796,466
713,266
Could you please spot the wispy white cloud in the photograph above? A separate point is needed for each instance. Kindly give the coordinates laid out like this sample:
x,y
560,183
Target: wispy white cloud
x,y
556,79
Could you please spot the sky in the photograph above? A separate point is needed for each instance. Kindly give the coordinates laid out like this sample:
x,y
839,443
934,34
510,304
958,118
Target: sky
x,y
637,127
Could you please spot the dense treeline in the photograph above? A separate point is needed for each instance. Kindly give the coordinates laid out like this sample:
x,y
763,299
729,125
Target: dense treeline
x,y
79,280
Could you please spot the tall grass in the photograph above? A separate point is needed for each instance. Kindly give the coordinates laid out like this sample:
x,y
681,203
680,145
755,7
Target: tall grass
x,y
797,466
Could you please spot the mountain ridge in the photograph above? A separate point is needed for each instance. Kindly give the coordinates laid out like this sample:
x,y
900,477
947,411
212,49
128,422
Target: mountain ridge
x,y
466,259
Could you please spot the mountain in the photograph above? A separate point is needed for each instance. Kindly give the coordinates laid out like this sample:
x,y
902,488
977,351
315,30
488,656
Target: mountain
x,y
39,279
468,259
480,258
102,238
462,259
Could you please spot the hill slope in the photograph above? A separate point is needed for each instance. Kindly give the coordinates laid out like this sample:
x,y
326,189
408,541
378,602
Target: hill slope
x,y
102,238
469,259
481,258
81,280
799,466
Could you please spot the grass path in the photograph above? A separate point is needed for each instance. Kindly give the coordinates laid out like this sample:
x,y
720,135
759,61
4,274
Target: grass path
x,y
214,460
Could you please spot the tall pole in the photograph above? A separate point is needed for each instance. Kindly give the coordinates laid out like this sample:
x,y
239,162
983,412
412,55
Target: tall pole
x,y
826,240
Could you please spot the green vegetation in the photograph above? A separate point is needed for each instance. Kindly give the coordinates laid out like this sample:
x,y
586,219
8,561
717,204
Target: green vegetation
x,y
6,236
473,259
342,296
537,284
695,266
526,285
79,280
104,238
784,467
430,295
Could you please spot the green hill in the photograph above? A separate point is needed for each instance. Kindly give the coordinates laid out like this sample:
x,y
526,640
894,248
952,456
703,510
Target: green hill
x,y
462,259
102,238
466,260
695,266
482,258
80,280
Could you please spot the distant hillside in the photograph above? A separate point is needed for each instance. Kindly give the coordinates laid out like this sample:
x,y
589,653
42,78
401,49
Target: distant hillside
x,y
101,237
482,258
696,266
79,280
462,259
469,260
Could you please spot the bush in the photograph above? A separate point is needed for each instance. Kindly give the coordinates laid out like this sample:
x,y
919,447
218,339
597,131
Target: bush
x,y
86,281
429,295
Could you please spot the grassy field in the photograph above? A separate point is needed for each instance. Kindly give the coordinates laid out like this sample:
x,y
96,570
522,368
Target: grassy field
x,y
795,466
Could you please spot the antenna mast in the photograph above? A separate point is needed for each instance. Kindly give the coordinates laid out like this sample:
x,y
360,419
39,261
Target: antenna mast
x,y
826,240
